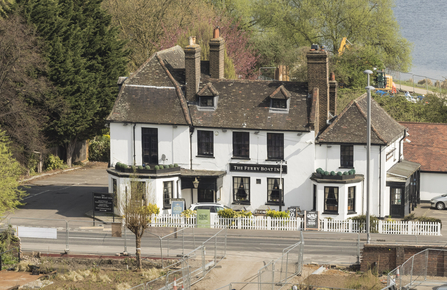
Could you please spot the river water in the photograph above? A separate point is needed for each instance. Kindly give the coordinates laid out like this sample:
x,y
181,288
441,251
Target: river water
x,y
423,23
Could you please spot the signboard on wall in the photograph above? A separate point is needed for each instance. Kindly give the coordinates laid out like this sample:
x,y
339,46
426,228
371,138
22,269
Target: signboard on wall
x,y
203,218
177,207
263,168
312,220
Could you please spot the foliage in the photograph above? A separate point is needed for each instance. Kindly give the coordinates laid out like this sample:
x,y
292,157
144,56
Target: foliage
x,y
349,66
373,221
412,217
188,213
25,95
230,213
10,171
54,162
364,22
85,58
99,148
277,214
346,96
367,280
239,52
431,109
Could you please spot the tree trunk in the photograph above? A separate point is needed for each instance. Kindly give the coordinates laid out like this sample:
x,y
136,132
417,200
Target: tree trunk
x,y
138,250
70,150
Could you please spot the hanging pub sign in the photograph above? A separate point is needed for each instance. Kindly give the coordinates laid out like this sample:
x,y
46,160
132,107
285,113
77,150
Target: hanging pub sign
x,y
263,168
177,207
312,220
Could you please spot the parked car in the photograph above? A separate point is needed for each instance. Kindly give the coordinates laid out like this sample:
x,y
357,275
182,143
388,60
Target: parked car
x,y
440,202
213,207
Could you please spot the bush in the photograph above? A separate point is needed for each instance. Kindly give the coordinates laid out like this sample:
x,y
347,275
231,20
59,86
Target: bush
x,y
339,173
229,213
171,166
188,213
277,214
412,217
156,167
99,149
175,165
362,219
333,173
140,167
147,167
54,162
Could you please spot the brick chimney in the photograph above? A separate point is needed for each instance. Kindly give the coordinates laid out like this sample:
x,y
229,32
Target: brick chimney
x,y
333,94
192,69
217,45
318,77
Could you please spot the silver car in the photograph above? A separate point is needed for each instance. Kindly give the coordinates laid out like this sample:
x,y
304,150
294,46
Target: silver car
x,y
213,207
440,202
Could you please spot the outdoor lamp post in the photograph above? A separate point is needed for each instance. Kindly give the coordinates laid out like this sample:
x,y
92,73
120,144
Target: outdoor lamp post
x,y
368,156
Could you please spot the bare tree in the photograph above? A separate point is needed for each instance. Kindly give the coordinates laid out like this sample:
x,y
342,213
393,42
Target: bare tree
x,y
138,212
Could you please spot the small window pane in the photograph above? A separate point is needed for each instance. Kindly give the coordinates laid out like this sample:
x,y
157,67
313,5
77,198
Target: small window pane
x,y
275,146
241,144
205,143
351,199
167,193
331,199
241,189
207,101
274,190
280,104
347,155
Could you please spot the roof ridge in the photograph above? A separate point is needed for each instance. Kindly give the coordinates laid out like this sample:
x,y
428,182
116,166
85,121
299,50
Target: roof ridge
x,y
338,118
178,91
372,126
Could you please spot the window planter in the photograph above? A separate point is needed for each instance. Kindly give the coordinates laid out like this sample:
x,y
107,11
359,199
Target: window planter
x,y
333,177
148,171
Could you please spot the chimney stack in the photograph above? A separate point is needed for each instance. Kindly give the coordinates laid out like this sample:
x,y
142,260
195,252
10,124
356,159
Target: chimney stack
x,y
333,95
217,45
318,77
192,69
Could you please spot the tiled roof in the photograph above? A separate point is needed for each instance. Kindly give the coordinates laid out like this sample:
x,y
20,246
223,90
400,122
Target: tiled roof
x,y
245,104
351,125
428,145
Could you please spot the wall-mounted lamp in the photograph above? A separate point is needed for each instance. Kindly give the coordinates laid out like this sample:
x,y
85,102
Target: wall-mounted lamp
x,y
174,126
256,132
125,124
299,133
224,130
195,183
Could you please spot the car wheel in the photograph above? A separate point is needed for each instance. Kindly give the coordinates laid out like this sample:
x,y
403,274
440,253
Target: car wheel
x,y
440,205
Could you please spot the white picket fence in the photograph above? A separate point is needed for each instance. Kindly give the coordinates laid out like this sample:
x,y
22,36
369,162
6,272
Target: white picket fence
x,y
297,224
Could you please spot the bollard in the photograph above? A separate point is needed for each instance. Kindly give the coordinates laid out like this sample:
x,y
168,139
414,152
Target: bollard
x,y
175,283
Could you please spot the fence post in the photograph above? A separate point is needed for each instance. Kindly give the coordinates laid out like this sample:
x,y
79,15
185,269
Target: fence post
x,y
67,247
439,229
350,226
358,248
410,229
273,276
325,225
203,261
380,225
239,222
269,223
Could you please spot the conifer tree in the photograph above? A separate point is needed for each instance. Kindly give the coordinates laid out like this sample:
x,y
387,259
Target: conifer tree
x,y
85,60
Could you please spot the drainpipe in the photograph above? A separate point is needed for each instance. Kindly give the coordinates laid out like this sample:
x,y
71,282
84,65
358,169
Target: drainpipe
x,y
380,182
191,130
134,162
400,143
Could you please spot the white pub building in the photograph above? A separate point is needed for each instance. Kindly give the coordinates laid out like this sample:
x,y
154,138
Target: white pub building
x,y
198,137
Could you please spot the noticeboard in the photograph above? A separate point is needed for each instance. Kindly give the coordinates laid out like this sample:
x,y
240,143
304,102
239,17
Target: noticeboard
x,y
203,218
103,202
177,207
294,211
312,220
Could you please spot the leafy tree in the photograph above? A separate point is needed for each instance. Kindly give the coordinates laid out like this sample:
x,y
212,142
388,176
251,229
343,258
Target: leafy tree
x,y
85,59
369,23
10,171
26,97
138,213
5,7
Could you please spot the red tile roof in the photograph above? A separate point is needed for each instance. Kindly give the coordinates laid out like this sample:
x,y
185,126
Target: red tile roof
x,y
428,145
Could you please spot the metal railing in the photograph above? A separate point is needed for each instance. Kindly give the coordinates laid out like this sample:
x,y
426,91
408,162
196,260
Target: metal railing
x,y
430,85
195,265
417,270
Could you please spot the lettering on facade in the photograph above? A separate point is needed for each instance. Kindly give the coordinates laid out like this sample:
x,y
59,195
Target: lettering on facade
x,y
258,168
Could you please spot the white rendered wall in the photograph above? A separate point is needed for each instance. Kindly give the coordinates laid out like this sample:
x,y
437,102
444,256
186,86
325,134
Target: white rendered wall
x,y
300,165
432,185
172,142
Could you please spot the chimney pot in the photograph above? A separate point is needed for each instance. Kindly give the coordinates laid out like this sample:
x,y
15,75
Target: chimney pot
x,y
216,32
314,47
332,78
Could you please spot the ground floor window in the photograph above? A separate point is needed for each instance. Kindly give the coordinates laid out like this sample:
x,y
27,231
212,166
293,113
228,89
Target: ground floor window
x,y
274,191
396,196
331,199
167,194
351,199
241,189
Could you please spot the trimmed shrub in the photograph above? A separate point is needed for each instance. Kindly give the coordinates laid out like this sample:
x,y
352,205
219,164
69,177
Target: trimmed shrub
x,y
140,167
156,167
333,173
362,219
277,214
339,173
147,167
346,173
171,166
326,173
175,165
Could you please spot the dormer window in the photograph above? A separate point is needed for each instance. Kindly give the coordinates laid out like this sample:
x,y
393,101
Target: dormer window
x,y
279,104
280,100
206,101
207,98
